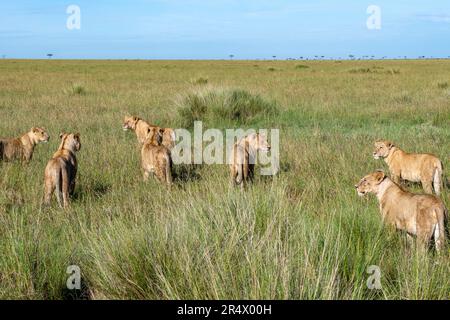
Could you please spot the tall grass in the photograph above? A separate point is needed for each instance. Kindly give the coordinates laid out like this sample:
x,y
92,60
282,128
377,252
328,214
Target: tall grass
x,y
224,106
303,234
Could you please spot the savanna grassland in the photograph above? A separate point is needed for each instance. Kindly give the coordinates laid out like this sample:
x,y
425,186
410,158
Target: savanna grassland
x,y
303,234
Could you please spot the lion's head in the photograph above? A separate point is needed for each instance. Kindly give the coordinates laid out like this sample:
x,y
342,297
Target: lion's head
x,y
370,183
259,142
39,135
155,135
129,123
382,149
70,141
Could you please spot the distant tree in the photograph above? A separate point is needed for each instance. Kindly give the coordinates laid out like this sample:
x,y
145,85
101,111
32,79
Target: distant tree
x,y
231,56
274,57
351,56
3,56
49,55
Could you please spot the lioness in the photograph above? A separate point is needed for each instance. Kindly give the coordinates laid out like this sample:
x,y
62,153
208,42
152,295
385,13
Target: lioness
x,y
140,127
22,148
424,168
61,170
156,158
243,158
421,215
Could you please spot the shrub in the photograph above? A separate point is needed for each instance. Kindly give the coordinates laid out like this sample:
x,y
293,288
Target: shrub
x,y
301,66
271,69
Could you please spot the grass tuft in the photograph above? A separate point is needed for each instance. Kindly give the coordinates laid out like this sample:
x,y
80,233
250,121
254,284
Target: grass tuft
x,y
443,85
301,66
200,81
213,106
78,89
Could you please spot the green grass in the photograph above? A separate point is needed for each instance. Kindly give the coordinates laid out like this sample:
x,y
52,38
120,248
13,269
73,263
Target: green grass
x,y
220,108
303,234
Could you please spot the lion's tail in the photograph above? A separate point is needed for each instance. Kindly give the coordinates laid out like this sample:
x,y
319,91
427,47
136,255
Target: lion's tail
x,y
58,186
1,149
169,165
439,230
438,178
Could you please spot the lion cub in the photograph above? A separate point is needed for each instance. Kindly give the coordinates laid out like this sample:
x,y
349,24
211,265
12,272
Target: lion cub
x,y
61,170
421,215
424,168
22,148
140,127
156,158
243,158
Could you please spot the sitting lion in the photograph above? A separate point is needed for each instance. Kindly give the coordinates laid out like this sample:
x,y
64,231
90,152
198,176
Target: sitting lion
x,y
22,148
424,168
421,215
140,127
156,158
61,170
243,158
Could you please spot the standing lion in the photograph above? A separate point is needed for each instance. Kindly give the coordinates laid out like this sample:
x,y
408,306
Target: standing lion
x,y
425,168
156,158
140,127
61,170
22,148
243,158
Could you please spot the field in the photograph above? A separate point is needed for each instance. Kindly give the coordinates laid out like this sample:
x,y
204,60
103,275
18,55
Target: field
x,y
303,234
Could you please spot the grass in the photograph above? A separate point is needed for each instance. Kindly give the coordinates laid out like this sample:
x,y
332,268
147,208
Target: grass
x,y
303,234
200,81
221,107
443,85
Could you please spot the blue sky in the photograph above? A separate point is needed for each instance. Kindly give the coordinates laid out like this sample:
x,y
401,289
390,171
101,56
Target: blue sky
x,y
213,29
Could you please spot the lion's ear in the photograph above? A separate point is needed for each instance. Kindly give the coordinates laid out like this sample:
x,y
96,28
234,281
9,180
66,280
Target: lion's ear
x,y
34,129
135,119
379,176
77,136
390,144
61,135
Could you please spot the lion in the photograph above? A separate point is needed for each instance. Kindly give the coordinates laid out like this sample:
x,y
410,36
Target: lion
x,y
156,158
61,170
420,215
140,127
22,148
243,158
424,168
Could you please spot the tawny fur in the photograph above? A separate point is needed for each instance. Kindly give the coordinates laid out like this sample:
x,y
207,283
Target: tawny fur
x,y
243,158
156,158
140,127
424,168
420,215
61,170
22,148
